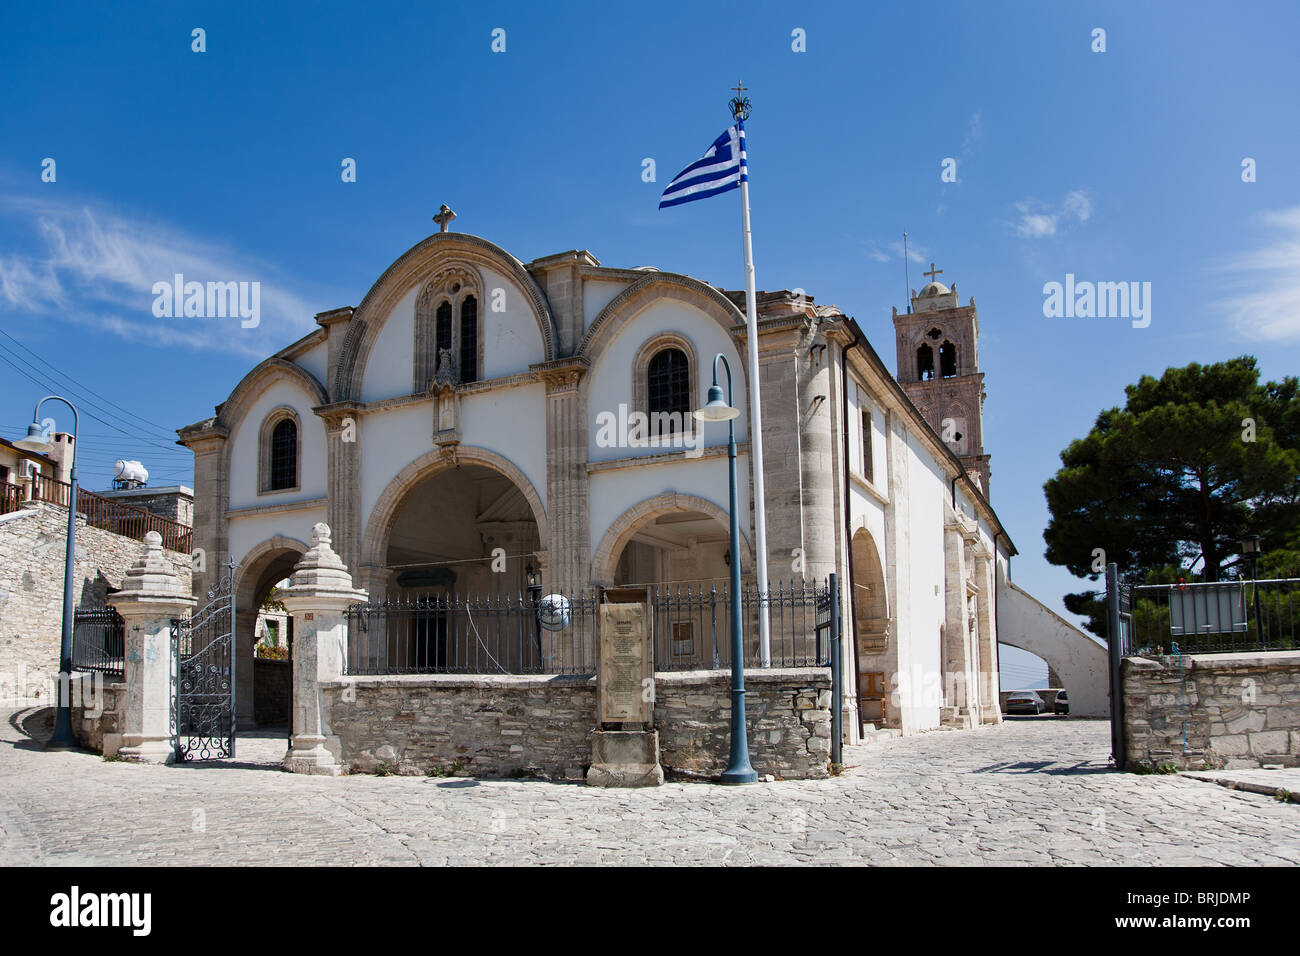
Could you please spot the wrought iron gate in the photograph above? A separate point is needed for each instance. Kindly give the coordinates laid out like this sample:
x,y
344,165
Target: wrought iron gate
x,y
203,678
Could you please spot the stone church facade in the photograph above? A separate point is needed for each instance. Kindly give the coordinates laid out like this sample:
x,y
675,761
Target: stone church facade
x,y
478,424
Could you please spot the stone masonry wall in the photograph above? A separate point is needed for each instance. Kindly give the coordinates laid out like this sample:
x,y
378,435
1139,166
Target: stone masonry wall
x,y
788,720
1239,710
32,545
482,726
492,726
97,708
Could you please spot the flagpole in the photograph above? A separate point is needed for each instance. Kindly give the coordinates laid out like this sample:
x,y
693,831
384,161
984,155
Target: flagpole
x,y
740,110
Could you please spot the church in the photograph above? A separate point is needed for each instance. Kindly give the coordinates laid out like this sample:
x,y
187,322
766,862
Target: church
x,y
453,431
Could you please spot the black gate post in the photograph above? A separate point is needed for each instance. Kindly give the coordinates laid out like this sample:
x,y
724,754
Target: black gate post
x,y
837,677
1115,650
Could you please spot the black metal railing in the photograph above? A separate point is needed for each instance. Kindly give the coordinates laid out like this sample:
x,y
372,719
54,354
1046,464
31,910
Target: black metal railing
x,y
503,634
1213,618
99,641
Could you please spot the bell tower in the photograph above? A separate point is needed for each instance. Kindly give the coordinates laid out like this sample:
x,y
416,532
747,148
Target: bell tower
x,y
938,367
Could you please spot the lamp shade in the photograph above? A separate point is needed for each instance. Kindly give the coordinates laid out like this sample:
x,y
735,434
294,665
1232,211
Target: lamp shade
x,y
35,441
1250,544
717,409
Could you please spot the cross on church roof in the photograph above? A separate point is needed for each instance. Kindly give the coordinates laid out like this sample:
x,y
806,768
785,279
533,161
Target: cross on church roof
x,y
933,272
444,218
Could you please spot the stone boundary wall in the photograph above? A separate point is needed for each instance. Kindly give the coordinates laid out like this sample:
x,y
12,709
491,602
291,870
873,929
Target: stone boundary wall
x,y
1241,710
500,725
97,712
788,717
32,545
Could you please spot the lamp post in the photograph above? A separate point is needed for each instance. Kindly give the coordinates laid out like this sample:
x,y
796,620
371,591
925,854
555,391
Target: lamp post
x,y
1250,551
36,441
738,769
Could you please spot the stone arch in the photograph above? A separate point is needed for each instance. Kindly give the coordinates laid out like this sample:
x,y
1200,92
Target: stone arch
x,y
258,562
379,526
408,271
620,531
232,410
656,287
262,566
870,596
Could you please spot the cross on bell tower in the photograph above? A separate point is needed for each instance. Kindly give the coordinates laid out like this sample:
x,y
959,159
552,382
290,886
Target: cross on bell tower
x,y
933,272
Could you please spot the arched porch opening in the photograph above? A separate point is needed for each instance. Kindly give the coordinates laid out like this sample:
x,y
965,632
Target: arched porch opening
x,y
876,653
467,530
258,621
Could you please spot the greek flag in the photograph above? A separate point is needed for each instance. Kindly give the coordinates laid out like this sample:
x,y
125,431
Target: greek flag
x,y
723,167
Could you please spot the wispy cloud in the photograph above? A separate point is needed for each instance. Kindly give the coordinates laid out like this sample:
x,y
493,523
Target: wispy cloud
x,y
1037,220
96,268
893,251
1265,303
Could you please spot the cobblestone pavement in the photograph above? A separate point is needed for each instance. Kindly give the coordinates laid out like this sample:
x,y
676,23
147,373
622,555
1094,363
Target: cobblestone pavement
x,y
1027,792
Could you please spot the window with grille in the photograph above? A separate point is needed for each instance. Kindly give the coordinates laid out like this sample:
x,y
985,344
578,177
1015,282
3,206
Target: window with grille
x,y
284,455
668,391
469,340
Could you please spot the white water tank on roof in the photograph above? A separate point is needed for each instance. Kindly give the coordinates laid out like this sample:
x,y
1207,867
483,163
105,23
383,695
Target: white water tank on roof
x,y
128,473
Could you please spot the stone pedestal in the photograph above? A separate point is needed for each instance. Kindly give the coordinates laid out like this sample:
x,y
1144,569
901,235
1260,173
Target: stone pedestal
x,y
152,595
319,592
624,750
625,758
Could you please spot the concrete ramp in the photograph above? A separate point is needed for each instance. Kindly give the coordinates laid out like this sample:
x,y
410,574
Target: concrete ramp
x,y
1079,660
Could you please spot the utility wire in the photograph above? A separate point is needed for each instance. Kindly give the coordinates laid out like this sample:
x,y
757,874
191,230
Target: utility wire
x,y
161,428
86,411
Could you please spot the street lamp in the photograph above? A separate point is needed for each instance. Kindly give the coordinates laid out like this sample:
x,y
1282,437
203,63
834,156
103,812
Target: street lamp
x,y
716,410
36,441
1250,551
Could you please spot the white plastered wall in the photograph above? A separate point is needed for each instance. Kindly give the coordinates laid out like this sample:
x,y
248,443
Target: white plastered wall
x,y
244,448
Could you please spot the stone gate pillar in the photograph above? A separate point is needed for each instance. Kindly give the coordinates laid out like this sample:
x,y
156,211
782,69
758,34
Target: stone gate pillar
x,y
152,595
319,592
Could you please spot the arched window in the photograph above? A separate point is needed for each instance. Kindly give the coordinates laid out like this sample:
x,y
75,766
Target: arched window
x,y
469,339
668,391
947,360
279,452
924,363
447,319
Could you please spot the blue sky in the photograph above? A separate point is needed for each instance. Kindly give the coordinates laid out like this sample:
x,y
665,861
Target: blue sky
x,y
1115,166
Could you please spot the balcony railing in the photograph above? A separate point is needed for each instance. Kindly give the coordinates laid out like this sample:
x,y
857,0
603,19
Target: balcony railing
x,y
100,512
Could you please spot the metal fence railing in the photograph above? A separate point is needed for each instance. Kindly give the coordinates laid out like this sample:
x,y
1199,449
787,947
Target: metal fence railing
x,y
501,634
1214,618
99,641
110,515
1220,617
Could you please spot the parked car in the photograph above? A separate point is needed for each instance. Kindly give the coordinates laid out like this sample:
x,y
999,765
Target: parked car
x,y
1024,702
1061,706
